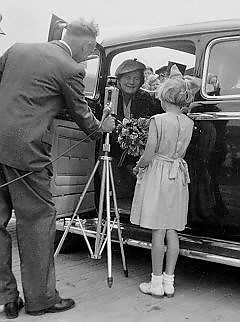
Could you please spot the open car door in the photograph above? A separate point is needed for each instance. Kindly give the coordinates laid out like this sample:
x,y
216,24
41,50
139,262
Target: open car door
x,y
73,169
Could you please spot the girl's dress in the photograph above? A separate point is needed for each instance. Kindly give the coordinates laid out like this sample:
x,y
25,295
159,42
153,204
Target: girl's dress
x,y
161,194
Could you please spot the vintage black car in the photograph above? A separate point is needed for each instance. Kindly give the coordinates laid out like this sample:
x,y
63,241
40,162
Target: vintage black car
x,y
210,51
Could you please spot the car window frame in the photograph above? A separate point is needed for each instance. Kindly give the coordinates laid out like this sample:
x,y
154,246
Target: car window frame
x,y
95,93
204,94
111,52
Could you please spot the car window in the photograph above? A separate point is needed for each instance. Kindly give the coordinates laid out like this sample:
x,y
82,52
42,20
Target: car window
x,y
91,66
159,56
221,74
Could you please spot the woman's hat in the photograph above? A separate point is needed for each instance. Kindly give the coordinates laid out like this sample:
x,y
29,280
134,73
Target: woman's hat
x,y
128,66
1,32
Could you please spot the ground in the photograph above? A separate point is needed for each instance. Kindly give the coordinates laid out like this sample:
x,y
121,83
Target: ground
x,y
205,292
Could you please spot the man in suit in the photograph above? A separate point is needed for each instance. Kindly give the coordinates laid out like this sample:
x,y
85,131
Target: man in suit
x,y
36,82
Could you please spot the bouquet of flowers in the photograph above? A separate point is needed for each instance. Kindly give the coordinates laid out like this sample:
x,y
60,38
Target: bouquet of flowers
x,y
132,137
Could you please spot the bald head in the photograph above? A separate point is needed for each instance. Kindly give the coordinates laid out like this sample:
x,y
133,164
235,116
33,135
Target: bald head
x,y
81,36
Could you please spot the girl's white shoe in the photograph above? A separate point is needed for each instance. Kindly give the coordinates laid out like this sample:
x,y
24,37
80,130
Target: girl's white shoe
x,y
154,287
168,285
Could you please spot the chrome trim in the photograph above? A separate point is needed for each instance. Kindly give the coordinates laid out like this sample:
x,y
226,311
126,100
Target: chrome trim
x,y
192,254
77,230
210,257
214,242
215,116
138,243
201,116
89,226
205,70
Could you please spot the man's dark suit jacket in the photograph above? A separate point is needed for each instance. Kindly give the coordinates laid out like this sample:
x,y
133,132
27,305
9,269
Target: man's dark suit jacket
x,y
37,82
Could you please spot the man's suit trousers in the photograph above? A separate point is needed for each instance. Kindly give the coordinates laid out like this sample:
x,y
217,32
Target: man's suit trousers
x,y
35,225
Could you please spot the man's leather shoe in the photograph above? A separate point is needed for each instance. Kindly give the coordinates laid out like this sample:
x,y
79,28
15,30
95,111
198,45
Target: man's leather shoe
x,y
12,309
62,305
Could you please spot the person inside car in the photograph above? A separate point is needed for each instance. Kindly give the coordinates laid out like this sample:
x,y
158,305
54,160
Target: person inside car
x,y
162,72
152,83
147,73
133,102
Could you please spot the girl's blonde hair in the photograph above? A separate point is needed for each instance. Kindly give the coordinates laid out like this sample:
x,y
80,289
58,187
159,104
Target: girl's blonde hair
x,y
178,90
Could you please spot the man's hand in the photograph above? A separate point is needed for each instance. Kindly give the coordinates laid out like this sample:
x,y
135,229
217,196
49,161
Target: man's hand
x,y
135,170
108,125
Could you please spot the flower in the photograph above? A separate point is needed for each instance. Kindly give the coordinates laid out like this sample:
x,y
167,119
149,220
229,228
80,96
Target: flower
x,y
132,136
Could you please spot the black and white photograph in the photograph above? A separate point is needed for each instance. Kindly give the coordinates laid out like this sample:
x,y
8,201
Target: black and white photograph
x,y
120,161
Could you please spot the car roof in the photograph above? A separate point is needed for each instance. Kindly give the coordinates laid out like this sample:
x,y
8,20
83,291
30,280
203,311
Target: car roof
x,y
186,29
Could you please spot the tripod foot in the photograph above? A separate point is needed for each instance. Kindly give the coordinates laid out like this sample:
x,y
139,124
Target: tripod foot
x,y
125,272
93,256
110,281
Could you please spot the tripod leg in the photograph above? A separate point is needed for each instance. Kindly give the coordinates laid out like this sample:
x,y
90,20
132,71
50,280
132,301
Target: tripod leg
x,y
85,236
75,214
103,233
100,211
118,222
109,242
102,242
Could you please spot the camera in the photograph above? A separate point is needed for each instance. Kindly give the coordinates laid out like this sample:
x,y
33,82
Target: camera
x,y
111,94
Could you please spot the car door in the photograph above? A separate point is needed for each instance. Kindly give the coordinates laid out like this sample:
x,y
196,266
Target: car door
x,y
215,177
72,170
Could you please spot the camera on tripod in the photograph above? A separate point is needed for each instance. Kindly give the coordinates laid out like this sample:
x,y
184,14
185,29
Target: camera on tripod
x,y
111,94
107,191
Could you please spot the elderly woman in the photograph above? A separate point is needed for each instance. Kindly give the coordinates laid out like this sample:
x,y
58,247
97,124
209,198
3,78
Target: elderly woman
x,y
133,102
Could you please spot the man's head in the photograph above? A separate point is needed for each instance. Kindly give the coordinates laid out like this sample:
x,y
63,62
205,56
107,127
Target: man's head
x,y
147,72
162,73
1,32
81,36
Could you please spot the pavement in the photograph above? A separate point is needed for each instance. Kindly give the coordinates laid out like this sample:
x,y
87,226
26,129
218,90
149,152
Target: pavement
x,y
205,292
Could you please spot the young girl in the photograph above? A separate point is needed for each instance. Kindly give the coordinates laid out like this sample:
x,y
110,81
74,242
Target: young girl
x,y
160,200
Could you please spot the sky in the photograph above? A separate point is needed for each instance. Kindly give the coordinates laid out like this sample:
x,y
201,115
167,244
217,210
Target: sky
x,y
28,20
